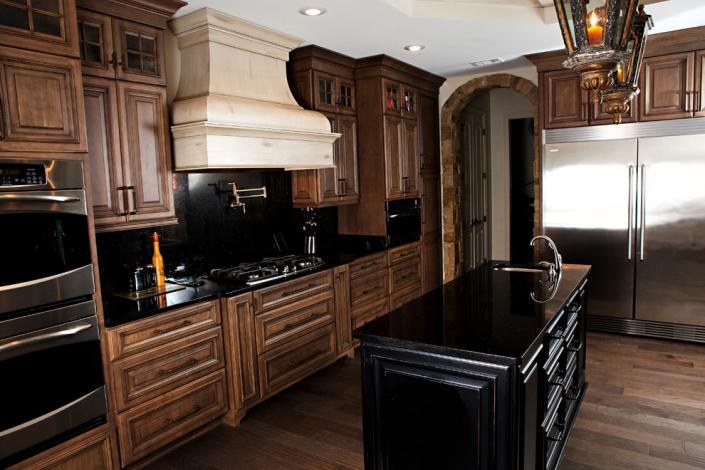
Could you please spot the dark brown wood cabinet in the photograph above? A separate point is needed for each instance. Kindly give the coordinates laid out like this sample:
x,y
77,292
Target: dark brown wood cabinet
x,y
566,102
122,57
41,103
699,101
343,309
44,26
323,80
667,85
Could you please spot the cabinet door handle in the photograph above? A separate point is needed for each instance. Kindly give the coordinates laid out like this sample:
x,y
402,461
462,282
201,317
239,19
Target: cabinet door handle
x,y
194,410
125,202
132,210
2,123
688,101
696,98
173,328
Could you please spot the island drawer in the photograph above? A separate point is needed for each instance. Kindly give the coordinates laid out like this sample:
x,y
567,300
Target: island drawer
x,y
160,329
280,325
272,297
295,359
151,373
154,424
402,276
404,253
368,264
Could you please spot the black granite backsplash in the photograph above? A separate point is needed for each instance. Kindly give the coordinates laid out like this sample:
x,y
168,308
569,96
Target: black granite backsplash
x,y
209,234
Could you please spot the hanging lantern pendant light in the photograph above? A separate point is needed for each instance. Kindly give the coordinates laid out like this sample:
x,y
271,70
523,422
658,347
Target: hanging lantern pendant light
x,y
600,38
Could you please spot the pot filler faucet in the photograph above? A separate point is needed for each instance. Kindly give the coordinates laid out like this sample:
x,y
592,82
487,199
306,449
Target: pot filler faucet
x,y
556,268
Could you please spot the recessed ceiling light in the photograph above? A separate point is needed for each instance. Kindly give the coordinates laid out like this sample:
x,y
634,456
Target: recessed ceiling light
x,y
414,47
312,11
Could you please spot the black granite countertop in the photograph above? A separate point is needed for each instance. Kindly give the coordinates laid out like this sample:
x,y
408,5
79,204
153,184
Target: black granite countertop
x,y
119,310
485,311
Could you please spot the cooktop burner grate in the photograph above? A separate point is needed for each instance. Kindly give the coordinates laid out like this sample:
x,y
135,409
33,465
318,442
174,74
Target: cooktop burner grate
x,y
267,270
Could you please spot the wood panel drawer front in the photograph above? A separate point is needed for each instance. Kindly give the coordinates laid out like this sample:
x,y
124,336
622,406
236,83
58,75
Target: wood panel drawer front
x,y
160,329
404,275
273,297
154,424
405,296
368,312
403,253
291,321
41,103
370,288
98,451
151,373
368,264
296,359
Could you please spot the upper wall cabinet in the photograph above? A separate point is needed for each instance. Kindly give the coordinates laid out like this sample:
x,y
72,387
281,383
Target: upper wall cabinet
x,y
40,25
116,48
323,80
41,103
667,87
700,84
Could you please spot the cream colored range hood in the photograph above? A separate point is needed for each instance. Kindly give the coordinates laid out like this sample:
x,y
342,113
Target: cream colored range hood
x,y
233,107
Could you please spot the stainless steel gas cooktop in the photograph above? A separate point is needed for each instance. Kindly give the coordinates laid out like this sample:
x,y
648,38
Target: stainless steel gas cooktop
x,y
267,270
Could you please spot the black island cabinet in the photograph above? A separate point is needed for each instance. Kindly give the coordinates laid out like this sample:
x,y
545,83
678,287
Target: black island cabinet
x,y
486,372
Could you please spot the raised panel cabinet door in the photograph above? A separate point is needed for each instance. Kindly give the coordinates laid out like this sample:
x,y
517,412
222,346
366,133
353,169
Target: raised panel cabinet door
x,y
699,83
324,96
41,103
241,351
347,160
139,51
145,150
666,87
96,44
329,184
410,164
394,158
343,308
566,102
428,134
40,25
304,188
104,157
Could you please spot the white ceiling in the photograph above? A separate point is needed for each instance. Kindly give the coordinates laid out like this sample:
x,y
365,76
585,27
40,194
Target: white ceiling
x,y
455,32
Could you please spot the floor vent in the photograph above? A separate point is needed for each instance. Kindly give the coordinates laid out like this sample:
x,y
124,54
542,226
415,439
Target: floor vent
x,y
647,328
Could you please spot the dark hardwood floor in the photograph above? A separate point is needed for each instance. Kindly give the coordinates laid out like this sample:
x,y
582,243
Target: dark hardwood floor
x,y
645,409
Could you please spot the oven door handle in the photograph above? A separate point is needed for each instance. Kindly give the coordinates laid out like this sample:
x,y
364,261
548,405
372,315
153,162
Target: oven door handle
x,y
72,332
36,198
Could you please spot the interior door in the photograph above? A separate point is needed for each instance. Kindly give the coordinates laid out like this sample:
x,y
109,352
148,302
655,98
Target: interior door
x,y
670,284
588,208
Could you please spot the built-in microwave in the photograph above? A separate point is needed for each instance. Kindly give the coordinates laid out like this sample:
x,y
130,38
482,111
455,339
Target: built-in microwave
x,y
403,221
46,251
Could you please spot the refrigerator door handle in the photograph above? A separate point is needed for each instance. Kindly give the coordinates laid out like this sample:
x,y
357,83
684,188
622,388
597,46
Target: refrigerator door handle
x,y
642,217
630,215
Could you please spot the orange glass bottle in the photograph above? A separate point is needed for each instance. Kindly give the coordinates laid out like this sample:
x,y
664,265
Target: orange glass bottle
x,y
158,261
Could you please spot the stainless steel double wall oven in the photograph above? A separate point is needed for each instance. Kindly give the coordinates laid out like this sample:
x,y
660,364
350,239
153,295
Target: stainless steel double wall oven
x,y
50,363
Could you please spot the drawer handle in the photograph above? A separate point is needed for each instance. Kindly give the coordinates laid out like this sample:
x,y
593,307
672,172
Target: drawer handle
x,y
368,265
173,328
307,358
576,349
405,276
194,410
185,365
405,253
298,291
303,321
369,291
2,124
557,438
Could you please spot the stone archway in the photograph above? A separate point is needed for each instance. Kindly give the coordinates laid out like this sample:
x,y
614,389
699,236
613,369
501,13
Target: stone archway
x,y
452,161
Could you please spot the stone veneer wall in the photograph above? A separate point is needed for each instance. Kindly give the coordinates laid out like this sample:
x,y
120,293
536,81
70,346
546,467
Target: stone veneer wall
x,y
452,162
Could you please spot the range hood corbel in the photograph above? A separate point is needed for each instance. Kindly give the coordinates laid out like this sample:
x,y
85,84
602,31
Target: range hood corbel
x,y
233,108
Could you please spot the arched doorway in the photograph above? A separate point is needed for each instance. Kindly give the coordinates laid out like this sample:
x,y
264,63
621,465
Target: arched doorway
x,y
452,161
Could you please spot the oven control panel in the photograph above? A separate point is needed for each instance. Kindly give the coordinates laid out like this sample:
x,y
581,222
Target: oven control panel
x,y
17,174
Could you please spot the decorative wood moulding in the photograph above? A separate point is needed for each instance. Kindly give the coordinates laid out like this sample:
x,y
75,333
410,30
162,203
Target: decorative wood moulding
x,y
393,69
151,12
233,107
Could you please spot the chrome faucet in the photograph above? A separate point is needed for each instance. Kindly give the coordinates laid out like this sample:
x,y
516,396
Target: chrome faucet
x,y
554,269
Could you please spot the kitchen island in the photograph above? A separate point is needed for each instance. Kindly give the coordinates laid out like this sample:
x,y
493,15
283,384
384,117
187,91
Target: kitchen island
x,y
486,372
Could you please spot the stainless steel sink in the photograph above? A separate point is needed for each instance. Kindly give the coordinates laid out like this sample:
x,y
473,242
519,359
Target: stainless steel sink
x,y
521,268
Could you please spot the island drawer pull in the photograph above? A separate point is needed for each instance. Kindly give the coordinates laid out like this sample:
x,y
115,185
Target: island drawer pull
x,y
552,415
173,328
303,321
371,290
552,365
368,265
575,349
298,291
185,365
559,437
307,358
194,410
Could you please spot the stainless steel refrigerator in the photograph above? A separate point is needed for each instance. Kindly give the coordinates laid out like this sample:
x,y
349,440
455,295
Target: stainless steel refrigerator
x,y
630,200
